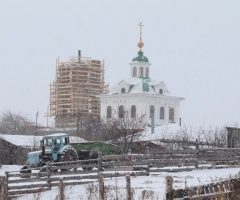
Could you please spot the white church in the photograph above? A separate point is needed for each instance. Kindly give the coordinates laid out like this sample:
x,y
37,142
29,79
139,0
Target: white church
x,y
140,95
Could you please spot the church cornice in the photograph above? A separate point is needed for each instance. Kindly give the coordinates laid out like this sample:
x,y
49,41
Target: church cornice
x,y
117,95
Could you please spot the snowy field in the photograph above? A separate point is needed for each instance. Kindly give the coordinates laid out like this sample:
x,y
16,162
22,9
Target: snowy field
x,y
153,184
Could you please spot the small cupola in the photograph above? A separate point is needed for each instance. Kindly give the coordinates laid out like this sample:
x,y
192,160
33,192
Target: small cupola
x,y
140,64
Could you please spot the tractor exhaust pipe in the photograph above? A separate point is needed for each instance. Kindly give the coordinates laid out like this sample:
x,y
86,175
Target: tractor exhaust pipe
x,y
43,150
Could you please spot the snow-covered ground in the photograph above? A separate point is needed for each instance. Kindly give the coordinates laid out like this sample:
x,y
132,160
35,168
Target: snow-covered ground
x,y
155,183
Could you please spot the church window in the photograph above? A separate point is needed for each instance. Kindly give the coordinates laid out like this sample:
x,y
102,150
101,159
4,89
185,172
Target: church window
x,y
109,112
151,111
147,72
141,71
160,91
123,90
134,72
162,113
120,112
133,111
171,114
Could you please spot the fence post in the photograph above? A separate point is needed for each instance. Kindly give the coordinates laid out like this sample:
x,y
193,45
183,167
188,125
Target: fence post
x,y
169,187
128,187
197,154
99,162
61,189
147,150
101,186
147,157
130,151
48,172
4,195
148,170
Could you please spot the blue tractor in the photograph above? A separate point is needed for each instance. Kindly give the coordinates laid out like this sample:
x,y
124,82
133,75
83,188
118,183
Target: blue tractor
x,y
55,148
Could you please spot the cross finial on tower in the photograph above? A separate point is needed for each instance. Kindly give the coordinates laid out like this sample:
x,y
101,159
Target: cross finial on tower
x,y
140,29
140,44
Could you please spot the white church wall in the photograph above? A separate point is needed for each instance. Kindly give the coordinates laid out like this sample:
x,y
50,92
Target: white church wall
x,y
142,103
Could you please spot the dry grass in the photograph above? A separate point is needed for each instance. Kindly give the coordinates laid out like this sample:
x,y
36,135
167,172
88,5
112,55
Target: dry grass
x,y
148,195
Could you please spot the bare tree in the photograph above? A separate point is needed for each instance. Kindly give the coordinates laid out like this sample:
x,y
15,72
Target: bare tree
x,y
122,130
188,136
15,123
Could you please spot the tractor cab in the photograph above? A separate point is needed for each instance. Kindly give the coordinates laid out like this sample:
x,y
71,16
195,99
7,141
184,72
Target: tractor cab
x,y
54,143
52,146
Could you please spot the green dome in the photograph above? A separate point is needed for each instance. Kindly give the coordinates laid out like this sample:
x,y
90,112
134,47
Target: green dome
x,y
140,58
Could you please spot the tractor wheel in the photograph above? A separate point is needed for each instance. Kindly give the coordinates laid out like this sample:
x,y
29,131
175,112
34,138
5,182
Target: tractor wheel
x,y
68,154
42,169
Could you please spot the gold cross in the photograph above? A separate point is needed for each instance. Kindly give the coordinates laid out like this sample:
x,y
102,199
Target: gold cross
x,y
140,29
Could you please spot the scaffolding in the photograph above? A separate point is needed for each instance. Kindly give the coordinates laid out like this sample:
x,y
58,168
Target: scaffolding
x,y
74,90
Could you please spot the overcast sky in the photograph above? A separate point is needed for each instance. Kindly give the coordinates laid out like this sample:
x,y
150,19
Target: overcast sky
x,y
193,46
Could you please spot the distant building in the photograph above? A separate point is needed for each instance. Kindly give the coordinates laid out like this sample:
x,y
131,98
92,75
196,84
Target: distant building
x,y
14,148
73,93
233,137
141,95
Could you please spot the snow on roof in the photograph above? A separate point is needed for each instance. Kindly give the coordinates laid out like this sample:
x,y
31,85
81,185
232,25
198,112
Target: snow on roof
x,y
160,131
31,140
136,85
174,131
238,127
153,83
76,139
132,80
22,140
56,135
139,89
114,89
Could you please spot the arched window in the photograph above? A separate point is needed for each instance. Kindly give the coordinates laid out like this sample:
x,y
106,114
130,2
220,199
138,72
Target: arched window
x,y
134,72
171,114
141,71
151,111
147,72
109,112
123,90
160,91
133,111
162,113
120,112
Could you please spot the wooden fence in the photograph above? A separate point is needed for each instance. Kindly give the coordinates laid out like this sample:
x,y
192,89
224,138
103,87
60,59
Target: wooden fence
x,y
59,182
16,183
224,190
194,157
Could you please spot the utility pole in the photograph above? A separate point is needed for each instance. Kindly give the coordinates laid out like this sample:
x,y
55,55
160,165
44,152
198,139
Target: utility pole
x,y
152,120
36,123
36,118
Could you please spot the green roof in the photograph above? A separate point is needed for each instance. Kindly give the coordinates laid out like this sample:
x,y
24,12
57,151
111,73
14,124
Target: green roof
x,y
145,84
140,58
